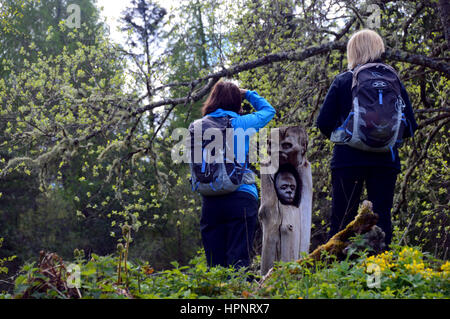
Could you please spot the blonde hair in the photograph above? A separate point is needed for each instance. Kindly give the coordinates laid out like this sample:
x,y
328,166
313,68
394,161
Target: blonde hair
x,y
364,46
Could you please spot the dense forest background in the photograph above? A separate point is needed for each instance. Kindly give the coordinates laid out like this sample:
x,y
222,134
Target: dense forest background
x,y
86,124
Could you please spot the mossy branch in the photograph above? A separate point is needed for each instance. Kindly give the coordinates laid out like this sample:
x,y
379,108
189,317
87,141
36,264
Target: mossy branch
x,y
362,223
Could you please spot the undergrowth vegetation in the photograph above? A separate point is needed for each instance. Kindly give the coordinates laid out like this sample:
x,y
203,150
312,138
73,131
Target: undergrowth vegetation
x,y
87,136
403,272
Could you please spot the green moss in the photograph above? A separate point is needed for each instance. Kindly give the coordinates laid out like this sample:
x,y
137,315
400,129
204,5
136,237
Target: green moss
x,y
363,222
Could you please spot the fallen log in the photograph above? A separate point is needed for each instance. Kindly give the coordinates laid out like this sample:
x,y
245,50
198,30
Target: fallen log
x,y
363,224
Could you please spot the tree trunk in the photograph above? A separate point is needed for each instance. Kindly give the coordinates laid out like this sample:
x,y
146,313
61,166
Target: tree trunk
x,y
444,10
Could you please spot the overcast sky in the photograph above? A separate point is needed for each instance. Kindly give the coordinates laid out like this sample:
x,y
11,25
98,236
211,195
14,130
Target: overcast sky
x,y
112,10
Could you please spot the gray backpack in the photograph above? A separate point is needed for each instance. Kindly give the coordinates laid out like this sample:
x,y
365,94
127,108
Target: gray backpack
x,y
376,121
212,173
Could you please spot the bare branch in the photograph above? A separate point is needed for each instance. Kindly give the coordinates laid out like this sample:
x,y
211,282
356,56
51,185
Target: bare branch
x,y
298,56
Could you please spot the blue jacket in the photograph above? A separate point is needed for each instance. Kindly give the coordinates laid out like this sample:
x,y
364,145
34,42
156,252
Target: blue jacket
x,y
335,109
264,113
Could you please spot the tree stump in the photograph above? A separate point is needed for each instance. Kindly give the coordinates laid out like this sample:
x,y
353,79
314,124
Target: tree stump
x,y
286,201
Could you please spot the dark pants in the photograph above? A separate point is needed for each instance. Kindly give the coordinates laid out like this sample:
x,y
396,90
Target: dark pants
x,y
228,226
347,186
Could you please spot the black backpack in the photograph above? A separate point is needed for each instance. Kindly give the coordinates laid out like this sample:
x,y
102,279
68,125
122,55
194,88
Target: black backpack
x,y
377,120
212,172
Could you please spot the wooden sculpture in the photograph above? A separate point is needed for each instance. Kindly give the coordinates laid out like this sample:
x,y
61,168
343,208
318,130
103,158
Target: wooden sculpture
x,y
286,201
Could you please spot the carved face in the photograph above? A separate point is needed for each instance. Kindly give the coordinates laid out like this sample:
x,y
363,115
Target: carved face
x,y
293,144
286,186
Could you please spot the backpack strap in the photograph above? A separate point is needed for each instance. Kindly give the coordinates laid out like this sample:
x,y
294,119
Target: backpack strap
x,y
359,68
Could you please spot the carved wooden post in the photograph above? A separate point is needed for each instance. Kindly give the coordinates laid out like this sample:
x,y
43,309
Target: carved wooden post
x,y
286,201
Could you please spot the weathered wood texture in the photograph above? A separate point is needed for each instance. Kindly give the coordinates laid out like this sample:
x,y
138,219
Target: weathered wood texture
x,y
286,227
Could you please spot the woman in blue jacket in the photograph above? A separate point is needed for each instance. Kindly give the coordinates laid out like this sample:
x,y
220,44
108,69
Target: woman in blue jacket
x,y
228,222
351,167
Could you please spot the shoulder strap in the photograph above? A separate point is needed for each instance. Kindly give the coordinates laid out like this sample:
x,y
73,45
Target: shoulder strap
x,y
362,67
229,119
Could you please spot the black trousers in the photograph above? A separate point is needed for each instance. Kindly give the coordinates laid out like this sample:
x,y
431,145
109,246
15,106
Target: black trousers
x,y
228,225
347,186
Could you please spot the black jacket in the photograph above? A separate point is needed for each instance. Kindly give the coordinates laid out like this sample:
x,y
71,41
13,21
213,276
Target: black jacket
x,y
334,111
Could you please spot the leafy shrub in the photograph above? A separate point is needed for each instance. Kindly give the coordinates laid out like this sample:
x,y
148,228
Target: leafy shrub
x,y
4,260
404,272
3,269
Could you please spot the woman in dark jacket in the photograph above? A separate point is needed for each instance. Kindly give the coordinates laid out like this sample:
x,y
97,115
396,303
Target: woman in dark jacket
x,y
228,221
351,167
